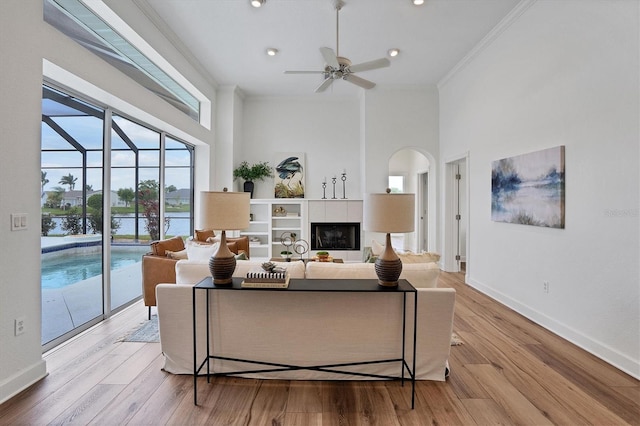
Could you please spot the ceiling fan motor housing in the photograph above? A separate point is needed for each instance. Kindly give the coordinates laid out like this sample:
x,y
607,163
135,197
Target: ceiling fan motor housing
x,y
337,73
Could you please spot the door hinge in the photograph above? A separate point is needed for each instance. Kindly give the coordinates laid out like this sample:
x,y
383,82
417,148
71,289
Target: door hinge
x,y
458,217
458,176
457,257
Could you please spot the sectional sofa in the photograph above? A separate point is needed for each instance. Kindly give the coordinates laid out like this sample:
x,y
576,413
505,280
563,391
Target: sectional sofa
x,y
307,328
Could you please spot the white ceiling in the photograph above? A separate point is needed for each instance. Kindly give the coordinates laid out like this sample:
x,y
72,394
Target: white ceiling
x,y
229,38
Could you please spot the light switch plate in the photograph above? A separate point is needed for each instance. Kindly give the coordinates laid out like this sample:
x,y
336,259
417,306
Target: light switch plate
x,y
18,221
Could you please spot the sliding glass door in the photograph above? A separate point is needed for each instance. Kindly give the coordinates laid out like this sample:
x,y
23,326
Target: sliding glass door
x,y
71,160
95,161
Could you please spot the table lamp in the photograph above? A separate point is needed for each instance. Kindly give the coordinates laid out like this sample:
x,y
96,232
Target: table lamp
x,y
389,213
223,211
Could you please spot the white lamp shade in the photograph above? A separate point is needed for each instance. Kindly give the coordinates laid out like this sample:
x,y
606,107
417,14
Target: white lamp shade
x,y
224,210
389,213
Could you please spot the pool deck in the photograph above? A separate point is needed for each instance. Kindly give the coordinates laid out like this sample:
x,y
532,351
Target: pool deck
x,y
64,309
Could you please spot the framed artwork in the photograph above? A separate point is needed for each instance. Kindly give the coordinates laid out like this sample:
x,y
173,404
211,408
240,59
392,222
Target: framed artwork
x,y
289,175
529,189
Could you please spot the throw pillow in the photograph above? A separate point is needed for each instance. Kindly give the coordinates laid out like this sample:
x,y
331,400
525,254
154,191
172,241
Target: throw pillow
x,y
159,248
182,254
376,248
201,252
366,254
233,246
202,235
215,239
241,256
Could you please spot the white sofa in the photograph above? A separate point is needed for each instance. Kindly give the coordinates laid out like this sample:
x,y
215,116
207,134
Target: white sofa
x,y
304,328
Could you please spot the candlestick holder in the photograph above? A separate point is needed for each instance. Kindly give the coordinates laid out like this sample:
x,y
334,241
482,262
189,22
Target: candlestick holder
x,y
324,189
333,180
343,178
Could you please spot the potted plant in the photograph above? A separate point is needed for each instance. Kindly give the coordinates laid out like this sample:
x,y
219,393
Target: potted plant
x,y
250,174
286,254
323,256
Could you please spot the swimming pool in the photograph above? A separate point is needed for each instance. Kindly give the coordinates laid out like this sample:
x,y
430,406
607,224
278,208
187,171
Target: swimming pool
x,y
65,269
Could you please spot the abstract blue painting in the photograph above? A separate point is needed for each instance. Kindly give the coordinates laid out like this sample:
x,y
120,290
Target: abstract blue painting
x,y
529,189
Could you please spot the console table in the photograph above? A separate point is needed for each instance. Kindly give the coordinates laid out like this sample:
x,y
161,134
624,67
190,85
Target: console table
x,y
404,288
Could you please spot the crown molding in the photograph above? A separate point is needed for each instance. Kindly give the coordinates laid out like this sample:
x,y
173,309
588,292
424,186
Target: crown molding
x,y
487,40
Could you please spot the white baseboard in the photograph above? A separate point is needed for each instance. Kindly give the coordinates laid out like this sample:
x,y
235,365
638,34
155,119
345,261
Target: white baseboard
x,y
22,380
594,347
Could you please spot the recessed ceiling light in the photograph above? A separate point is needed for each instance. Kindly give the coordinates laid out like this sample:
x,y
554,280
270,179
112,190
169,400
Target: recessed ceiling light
x,y
418,2
393,52
272,51
258,3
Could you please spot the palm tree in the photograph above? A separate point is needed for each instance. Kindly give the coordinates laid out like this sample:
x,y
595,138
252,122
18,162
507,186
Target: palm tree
x,y
43,181
68,180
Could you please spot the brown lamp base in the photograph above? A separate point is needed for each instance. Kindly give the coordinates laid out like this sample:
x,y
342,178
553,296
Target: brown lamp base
x,y
223,263
388,272
222,269
388,266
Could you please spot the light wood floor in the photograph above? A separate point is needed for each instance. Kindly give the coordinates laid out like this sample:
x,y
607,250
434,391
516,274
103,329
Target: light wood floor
x,y
508,371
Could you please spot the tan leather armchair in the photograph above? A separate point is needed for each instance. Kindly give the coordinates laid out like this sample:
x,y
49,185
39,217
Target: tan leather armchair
x,y
158,268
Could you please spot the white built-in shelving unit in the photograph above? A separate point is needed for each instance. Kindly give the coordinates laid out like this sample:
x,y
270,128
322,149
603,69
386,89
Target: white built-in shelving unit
x,y
271,218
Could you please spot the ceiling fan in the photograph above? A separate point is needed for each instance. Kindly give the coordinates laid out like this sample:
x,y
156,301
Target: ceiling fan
x,y
339,67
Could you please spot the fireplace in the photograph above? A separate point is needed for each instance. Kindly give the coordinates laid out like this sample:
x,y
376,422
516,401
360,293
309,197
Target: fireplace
x,y
335,236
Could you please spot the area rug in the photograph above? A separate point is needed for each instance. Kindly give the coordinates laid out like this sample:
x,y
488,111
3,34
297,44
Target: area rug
x,y
145,332
455,339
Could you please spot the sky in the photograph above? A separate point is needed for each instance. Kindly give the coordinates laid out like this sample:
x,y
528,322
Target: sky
x,y
88,132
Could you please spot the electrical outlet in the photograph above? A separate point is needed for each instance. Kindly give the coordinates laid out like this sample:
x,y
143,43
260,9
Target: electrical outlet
x,y
19,326
545,286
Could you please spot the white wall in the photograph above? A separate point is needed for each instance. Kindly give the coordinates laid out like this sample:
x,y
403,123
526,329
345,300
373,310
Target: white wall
x,y
21,92
360,136
396,119
326,130
562,73
393,119
25,42
228,136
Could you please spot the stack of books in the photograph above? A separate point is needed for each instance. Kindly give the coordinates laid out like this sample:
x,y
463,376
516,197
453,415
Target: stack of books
x,y
266,280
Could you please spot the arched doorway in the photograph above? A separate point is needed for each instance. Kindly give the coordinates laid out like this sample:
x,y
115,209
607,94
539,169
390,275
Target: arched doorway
x,y
412,170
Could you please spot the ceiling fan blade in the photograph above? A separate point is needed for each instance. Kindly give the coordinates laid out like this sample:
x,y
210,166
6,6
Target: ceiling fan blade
x,y
304,72
330,57
358,81
371,65
324,85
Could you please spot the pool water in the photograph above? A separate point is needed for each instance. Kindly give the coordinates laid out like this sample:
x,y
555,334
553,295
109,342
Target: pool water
x,y
61,271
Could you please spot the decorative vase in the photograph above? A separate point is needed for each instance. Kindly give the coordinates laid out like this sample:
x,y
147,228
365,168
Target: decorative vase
x,y
248,187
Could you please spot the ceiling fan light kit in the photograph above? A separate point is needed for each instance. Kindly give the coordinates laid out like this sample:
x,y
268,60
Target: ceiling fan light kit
x,y
341,68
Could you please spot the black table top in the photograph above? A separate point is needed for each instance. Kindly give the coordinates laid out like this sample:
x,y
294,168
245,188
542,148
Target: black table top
x,y
331,285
